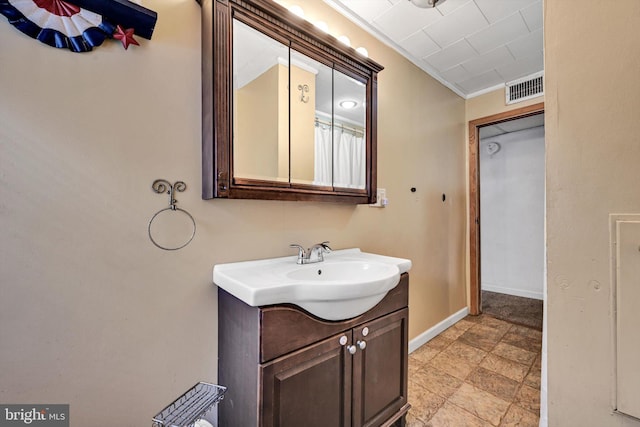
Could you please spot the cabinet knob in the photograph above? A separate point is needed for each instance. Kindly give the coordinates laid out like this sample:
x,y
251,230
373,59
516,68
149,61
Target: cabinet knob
x,y
352,349
362,344
343,340
365,331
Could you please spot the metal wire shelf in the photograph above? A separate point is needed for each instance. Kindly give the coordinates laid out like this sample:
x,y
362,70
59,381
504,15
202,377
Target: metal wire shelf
x,y
191,406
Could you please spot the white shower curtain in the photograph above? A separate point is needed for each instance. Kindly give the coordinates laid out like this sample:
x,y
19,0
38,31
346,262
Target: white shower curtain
x,y
322,157
348,165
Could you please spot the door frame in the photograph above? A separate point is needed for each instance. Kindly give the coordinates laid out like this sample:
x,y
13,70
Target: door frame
x,y
475,296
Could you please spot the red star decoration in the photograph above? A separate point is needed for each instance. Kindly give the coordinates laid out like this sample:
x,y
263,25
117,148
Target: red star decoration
x,y
125,36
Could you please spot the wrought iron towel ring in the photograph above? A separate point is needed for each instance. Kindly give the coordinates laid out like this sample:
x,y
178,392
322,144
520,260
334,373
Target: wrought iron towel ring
x,y
163,186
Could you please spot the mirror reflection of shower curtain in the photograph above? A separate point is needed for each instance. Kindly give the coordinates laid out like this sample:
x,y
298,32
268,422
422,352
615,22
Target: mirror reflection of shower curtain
x,y
348,158
322,156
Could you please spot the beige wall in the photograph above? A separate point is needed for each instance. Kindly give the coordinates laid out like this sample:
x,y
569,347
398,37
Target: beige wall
x,y
283,123
302,126
256,126
492,103
91,313
592,58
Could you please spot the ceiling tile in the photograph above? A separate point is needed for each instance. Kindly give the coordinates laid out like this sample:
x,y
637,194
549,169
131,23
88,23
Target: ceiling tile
x,y
499,33
457,25
368,9
404,19
456,74
494,10
489,61
451,56
533,16
523,123
490,131
522,67
475,35
450,5
527,45
510,126
419,45
480,82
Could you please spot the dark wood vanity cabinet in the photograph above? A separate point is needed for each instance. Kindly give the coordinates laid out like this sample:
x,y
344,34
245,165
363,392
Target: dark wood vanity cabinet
x,y
286,368
311,385
381,378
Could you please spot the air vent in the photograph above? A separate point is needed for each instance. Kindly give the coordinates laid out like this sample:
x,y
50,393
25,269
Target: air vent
x,y
525,88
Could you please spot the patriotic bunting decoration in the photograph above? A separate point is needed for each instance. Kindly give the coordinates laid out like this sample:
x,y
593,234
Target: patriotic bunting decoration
x,y
79,25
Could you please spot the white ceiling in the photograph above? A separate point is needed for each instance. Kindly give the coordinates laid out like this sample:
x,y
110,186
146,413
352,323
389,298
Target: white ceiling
x,y
471,46
512,126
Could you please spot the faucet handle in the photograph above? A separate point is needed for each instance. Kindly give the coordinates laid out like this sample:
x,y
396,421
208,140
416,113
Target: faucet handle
x,y
325,246
298,247
301,252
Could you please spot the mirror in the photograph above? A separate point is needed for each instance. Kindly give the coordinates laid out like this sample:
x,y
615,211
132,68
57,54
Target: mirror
x,y
288,112
311,94
260,105
349,136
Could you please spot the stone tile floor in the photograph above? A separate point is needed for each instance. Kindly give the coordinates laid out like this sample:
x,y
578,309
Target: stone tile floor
x,y
480,372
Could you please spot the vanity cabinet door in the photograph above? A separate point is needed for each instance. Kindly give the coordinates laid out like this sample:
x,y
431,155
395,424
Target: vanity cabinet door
x,y
380,370
310,387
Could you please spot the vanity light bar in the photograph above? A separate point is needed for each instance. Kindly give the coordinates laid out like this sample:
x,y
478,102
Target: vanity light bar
x,y
298,11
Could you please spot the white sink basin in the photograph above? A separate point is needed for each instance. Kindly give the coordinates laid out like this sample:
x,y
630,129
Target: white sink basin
x,y
346,284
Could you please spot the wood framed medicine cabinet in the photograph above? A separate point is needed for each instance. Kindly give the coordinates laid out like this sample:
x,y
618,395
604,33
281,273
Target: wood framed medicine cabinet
x,y
263,143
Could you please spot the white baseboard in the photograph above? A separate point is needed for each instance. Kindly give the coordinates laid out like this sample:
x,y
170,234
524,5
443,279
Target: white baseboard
x,y
511,291
431,333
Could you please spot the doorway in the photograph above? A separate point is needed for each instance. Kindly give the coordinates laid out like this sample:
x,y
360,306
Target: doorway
x,y
488,149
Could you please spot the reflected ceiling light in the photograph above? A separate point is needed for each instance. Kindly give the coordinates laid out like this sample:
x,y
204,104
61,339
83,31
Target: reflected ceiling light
x,y
363,51
322,26
425,4
296,10
347,105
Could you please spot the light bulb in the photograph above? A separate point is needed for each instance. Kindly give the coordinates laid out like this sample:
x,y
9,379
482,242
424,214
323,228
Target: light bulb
x,y
296,10
344,40
362,51
322,26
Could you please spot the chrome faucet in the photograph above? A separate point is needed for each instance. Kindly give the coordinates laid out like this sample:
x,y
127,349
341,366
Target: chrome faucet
x,y
314,254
